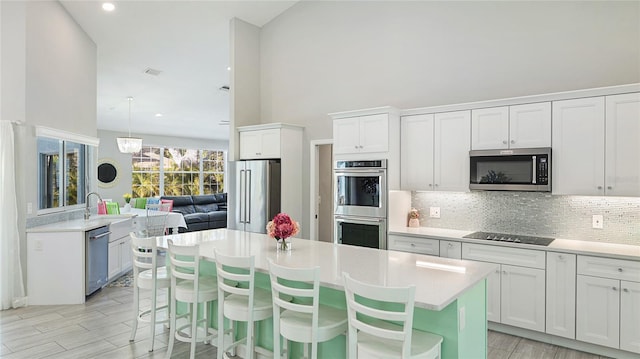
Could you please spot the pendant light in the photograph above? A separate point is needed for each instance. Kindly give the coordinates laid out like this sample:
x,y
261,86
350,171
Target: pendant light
x,y
129,144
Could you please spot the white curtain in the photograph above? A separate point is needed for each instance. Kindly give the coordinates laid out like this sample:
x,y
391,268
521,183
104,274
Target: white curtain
x,y
11,284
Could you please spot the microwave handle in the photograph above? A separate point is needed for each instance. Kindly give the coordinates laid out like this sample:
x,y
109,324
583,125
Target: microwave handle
x,y
535,169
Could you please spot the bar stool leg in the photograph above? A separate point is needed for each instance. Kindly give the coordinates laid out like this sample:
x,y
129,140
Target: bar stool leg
x,y
136,311
172,332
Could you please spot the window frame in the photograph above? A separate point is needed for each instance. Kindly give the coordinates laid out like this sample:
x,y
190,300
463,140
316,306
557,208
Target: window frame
x,y
88,145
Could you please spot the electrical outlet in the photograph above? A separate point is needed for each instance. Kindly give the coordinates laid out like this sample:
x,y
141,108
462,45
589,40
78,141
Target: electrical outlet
x,y
434,212
597,221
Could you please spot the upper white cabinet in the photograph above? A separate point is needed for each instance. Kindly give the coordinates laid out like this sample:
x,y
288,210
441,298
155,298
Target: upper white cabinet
x,y
362,134
622,145
596,152
518,126
260,144
435,151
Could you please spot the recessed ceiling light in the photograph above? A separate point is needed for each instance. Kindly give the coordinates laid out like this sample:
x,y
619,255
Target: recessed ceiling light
x,y
158,115
107,6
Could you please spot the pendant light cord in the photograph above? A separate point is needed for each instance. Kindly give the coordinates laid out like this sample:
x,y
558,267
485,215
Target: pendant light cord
x,y
130,99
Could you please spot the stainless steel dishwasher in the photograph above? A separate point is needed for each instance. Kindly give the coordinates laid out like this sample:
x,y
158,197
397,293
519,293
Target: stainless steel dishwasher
x,y
96,259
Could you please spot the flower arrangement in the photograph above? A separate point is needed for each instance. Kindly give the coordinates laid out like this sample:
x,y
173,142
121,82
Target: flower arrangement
x,y
282,227
127,197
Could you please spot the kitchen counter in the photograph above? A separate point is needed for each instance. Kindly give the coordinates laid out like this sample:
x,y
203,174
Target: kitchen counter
x,y
82,225
448,302
610,250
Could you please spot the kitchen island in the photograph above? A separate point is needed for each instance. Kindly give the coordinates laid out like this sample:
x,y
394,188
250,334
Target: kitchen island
x,y
450,294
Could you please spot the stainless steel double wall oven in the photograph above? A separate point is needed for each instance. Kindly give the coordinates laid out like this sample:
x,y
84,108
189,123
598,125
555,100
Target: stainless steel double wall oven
x,y
360,203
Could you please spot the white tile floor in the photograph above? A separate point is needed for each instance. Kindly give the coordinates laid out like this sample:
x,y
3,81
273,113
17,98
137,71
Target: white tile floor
x,y
100,328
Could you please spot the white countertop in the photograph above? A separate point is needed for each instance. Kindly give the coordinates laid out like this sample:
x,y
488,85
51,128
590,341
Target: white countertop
x,y
81,225
435,288
611,250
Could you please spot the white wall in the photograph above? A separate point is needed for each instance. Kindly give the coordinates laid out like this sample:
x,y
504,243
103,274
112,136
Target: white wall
x,y
48,79
109,150
321,57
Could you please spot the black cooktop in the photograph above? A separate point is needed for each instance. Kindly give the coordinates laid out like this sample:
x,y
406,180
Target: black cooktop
x,y
510,238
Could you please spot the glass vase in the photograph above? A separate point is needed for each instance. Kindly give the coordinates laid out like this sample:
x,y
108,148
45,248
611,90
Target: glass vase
x,y
283,245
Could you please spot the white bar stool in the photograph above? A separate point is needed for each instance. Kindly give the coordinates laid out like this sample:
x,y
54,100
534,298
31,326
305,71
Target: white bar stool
x,y
239,300
377,337
297,313
147,275
189,287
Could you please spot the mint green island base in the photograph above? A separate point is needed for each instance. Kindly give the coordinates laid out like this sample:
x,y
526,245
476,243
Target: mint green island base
x,y
452,305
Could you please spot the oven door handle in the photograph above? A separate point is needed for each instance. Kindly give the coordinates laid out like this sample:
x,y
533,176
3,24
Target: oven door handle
x,y
359,220
358,172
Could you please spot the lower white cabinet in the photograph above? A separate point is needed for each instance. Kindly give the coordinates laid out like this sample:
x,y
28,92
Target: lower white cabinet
x,y
608,304
630,316
414,244
516,293
561,295
451,249
120,257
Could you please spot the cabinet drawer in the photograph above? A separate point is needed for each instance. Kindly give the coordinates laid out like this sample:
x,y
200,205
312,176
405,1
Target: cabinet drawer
x,y
451,249
609,268
414,245
504,255
120,229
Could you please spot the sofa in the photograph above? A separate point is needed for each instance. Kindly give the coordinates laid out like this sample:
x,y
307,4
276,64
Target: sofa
x,y
201,211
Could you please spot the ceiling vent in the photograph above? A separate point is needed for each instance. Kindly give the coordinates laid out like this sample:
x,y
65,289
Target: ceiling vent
x,y
152,72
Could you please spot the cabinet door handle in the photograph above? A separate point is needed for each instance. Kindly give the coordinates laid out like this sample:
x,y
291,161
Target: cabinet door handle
x,y
620,270
497,271
513,141
430,185
504,142
599,187
450,245
413,244
609,187
436,185
505,272
614,289
626,290
561,257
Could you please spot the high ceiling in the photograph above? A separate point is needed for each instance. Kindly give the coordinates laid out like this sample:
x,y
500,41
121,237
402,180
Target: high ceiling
x,y
187,41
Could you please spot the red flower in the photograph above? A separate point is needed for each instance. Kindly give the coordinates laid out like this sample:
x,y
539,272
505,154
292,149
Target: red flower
x,y
282,226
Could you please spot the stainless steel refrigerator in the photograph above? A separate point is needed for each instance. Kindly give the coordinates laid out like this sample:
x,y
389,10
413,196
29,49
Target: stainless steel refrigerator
x,y
255,192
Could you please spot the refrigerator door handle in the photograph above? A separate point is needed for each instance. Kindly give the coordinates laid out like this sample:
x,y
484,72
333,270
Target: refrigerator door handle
x,y
249,195
243,196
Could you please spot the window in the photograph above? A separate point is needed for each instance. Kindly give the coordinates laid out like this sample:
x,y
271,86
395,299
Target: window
x,y
62,168
178,171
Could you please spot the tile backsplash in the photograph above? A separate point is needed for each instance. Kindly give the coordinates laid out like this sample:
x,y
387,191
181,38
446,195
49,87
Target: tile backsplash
x,y
533,213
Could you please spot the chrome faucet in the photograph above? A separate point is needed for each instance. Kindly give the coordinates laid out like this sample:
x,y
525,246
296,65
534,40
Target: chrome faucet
x,y
87,213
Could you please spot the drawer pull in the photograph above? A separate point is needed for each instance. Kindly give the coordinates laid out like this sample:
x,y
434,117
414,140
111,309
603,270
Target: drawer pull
x,y
620,270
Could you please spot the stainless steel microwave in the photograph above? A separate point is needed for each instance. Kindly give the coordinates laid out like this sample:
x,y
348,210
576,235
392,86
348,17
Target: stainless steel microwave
x,y
522,169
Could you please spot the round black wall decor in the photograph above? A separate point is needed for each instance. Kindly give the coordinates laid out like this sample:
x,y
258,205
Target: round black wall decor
x,y
107,173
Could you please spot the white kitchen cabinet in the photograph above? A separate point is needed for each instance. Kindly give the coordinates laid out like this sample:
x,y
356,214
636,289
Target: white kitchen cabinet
x,y
120,257
595,153
598,311
530,125
561,295
518,126
361,134
622,145
260,144
630,316
414,244
451,249
440,164
516,293
490,128
608,302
